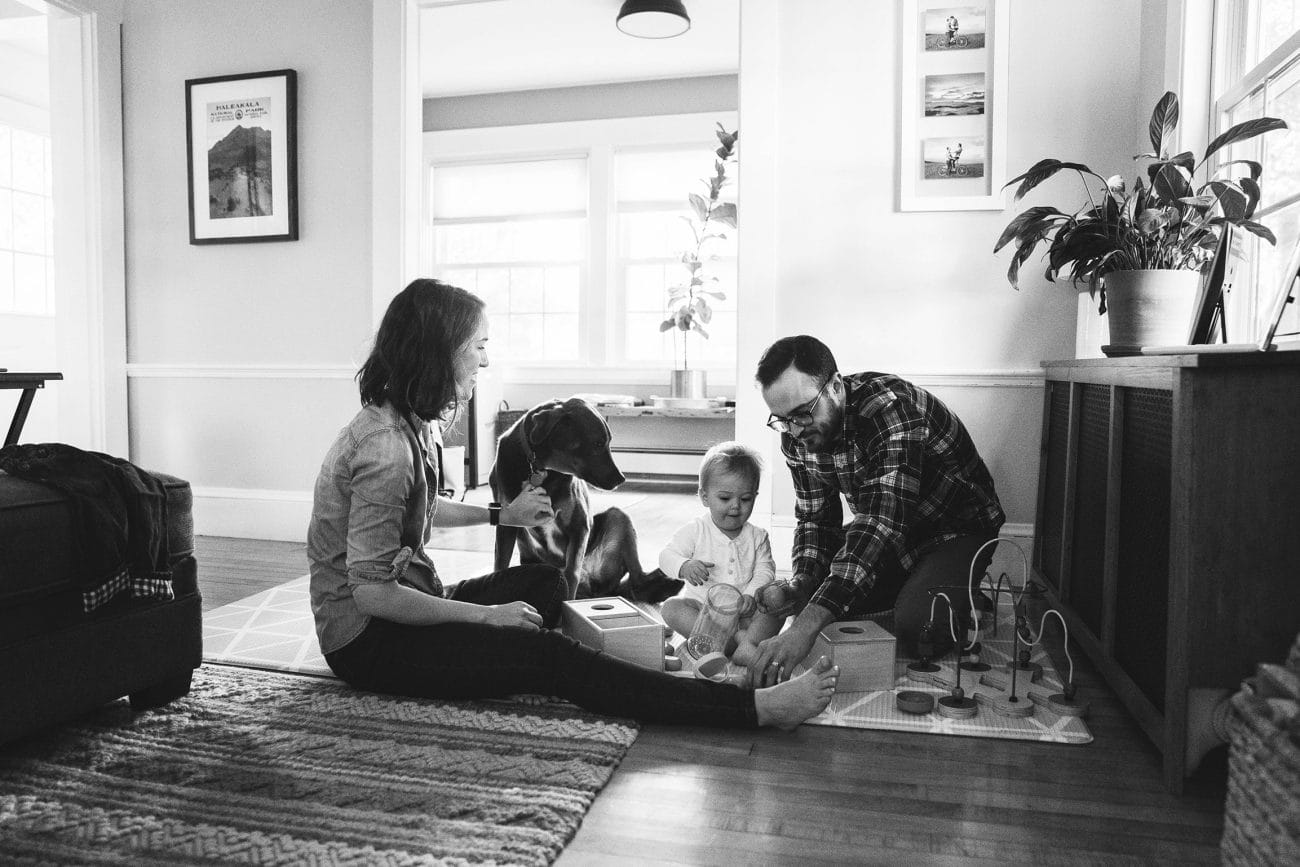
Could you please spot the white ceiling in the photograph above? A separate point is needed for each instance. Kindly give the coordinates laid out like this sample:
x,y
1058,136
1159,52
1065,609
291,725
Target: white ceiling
x,y
490,46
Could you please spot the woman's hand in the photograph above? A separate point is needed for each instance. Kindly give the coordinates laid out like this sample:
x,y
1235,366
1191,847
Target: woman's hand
x,y
695,571
531,508
515,615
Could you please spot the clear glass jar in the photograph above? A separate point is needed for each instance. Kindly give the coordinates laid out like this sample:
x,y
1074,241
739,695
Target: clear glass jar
x,y
717,622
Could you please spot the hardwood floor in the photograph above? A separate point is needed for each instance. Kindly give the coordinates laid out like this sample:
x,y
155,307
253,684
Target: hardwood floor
x,y
835,796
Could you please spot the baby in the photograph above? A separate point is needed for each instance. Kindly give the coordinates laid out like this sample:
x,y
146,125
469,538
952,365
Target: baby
x,y
722,546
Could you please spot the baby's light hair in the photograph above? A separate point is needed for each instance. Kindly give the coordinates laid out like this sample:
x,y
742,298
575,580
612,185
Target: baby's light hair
x,y
730,457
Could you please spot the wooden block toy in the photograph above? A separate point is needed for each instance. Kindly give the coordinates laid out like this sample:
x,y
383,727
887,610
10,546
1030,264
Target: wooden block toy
x,y
862,649
617,627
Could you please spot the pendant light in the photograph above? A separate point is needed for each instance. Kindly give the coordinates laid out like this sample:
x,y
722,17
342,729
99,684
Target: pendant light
x,y
654,19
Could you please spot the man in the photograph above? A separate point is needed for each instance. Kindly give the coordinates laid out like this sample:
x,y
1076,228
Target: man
x,y
922,500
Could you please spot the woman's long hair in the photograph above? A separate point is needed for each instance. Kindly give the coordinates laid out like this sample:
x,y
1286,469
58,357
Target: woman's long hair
x,y
412,362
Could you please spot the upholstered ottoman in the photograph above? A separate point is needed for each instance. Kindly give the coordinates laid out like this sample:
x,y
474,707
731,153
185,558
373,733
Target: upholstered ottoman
x,y
57,660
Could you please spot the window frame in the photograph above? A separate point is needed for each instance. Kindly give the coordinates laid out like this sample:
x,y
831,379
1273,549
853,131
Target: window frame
x,y
1231,86
601,320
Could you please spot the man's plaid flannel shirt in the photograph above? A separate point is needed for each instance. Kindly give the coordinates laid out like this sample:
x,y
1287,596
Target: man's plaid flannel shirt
x,y
911,476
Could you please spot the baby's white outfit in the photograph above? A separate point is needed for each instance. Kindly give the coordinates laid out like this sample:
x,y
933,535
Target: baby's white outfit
x,y
745,561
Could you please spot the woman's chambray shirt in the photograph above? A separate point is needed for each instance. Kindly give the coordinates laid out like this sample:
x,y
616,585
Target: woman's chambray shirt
x,y
373,502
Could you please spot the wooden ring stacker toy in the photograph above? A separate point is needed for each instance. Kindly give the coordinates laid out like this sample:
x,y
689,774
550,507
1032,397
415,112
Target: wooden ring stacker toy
x,y
914,701
1062,703
711,666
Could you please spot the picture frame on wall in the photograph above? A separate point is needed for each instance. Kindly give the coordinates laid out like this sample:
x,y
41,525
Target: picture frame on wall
x,y
953,107
242,149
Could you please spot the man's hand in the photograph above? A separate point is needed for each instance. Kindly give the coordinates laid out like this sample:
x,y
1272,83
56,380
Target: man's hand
x,y
778,656
515,615
695,571
531,508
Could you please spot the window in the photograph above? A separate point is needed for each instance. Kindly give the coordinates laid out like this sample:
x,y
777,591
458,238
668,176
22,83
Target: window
x,y
1257,73
26,223
573,234
652,233
515,235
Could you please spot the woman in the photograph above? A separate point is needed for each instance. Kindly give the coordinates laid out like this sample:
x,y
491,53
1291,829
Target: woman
x,y
382,616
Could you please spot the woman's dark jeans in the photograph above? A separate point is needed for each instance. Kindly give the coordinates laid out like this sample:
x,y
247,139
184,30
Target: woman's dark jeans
x,y
469,660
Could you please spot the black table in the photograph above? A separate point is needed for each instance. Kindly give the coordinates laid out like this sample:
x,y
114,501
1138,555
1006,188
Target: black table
x,y
28,382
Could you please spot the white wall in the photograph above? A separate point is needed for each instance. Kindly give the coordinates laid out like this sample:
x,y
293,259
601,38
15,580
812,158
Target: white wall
x,y
241,355
919,294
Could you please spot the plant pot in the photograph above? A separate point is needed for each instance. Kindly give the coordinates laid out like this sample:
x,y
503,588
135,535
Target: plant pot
x,y
688,383
1149,308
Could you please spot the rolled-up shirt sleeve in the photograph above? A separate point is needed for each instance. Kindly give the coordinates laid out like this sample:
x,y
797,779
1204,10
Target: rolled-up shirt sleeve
x,y
680,549
383,476
887,491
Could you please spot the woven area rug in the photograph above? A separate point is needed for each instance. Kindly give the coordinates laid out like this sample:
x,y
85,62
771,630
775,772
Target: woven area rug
x,y
264,768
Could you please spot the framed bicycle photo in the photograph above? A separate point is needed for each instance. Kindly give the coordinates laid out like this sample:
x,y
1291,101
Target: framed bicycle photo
x,y
242,144
952,130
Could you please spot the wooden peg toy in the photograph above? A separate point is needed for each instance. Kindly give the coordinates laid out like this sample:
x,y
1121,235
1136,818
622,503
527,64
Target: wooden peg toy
x,y
1005,704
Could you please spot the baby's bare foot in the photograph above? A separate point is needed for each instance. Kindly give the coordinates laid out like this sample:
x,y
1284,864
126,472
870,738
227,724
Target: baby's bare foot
x,y
745,654
788,704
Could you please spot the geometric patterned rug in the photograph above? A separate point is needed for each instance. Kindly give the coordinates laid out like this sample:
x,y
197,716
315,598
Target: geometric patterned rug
x,y
879,709
264,768
274,629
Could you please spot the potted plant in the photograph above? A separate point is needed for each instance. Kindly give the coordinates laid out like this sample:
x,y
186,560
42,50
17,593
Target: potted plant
x,y
688,307
1143,250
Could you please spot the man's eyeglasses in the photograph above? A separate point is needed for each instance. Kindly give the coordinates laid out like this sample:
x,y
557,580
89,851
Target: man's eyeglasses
x,y
802,418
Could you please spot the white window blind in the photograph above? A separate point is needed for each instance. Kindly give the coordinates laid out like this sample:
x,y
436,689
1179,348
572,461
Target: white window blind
x,y
515,234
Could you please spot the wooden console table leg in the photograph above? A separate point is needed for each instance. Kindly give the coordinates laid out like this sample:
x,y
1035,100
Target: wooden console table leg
x,y
20,415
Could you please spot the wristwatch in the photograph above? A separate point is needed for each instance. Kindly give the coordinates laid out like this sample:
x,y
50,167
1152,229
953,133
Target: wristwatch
x,y
494,514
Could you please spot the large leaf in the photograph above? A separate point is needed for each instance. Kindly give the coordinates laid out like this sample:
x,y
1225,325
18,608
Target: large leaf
x,y
1258,229
1164,120
1030,216
1172,182
725,213
700,206
1251,188
1041,171
1231,199
1245,130
1186,159
1255,168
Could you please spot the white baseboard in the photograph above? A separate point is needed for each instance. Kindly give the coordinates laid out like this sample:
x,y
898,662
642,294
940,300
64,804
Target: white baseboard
x,y
252,513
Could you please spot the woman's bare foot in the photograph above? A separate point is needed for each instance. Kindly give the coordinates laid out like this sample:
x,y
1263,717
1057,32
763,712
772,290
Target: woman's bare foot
x,y
788,704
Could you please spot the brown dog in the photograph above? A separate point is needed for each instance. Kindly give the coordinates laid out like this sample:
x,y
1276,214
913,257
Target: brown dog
x,y
563,447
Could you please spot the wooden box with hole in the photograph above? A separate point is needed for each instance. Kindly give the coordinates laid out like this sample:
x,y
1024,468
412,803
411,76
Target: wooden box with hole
x,y
863,650
617,627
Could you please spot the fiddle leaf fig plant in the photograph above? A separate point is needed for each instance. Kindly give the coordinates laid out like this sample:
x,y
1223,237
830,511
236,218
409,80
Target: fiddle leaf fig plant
x,y
688,301
1168,221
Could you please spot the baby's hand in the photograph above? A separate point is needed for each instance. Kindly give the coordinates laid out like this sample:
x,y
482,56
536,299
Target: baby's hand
x,y
695,571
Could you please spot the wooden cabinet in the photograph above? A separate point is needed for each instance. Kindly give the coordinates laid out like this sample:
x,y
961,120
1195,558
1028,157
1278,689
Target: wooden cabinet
x,y
1167,523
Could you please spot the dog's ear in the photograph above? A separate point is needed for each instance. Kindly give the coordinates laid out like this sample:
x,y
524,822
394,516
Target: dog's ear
x,y
542,419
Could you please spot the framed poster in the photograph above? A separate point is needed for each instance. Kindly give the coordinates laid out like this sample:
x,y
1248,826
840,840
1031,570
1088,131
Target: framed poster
x,y
952,126
242,142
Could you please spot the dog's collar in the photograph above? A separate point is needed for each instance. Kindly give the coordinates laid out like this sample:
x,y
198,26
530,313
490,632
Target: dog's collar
x,y
536,476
